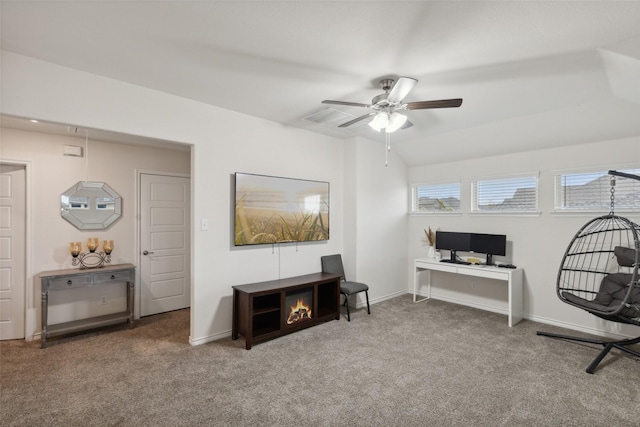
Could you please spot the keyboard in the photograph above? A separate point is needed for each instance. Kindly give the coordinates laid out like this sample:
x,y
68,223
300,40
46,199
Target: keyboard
x,y
454,261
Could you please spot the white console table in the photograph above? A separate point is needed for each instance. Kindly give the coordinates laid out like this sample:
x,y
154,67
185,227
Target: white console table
x,y
512,277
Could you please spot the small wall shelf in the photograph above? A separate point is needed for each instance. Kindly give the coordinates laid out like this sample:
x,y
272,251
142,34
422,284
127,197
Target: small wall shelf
x,y
260,312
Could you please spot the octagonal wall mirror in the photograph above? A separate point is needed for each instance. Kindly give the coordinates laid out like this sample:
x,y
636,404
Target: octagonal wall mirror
x,y
91,205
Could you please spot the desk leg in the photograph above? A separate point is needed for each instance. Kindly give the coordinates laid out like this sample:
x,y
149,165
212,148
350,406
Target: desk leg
x,y
515,297
416,276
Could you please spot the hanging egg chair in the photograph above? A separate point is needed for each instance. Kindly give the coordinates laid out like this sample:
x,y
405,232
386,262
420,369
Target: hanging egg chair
x,y
599,274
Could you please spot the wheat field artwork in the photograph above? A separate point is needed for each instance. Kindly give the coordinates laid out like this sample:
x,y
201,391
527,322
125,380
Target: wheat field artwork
x,y
272,209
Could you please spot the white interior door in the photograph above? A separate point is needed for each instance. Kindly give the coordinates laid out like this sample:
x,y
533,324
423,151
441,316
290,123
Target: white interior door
x,y
12,251
164,243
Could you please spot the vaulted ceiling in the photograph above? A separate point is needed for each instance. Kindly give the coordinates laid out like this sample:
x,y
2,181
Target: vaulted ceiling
x,y
533,74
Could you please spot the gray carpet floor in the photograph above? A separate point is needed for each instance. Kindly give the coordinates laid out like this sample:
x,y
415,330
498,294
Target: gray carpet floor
x,y
426,364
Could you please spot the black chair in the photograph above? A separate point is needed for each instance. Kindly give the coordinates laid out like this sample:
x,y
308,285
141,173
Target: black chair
x,y
333,264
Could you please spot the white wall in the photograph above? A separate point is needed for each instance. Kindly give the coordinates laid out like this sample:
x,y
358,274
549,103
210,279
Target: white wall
x,y
535,243
223,142
52,174
378,199
261,147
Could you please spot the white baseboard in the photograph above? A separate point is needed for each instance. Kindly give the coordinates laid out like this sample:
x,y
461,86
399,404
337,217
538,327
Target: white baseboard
x,y
533,318
577,328
473,304
362,303
209,338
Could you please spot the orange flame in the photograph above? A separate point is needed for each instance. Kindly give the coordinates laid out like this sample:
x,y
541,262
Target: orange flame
x,y
299,312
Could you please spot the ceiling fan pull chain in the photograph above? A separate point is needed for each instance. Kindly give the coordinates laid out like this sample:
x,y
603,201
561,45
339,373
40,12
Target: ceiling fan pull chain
x,y
387,148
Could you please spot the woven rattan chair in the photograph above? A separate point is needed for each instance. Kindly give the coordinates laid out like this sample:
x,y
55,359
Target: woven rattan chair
x,y
599,274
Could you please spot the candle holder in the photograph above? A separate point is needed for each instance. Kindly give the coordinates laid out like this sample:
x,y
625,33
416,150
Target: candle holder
x,y
92,244
91,259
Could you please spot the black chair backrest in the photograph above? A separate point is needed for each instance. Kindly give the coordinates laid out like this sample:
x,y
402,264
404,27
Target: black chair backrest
x,y
333,264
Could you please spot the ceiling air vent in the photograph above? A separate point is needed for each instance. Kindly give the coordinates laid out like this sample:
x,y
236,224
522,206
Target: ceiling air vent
x,y
333,118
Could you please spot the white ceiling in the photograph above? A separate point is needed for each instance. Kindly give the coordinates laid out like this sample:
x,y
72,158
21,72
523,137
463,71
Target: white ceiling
x,y
533,74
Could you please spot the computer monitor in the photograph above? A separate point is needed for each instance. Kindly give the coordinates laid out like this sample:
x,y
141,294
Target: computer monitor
x,y
453,241
489,244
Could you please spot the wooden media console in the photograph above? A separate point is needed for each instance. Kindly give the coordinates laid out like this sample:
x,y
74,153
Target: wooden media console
x,y
266,310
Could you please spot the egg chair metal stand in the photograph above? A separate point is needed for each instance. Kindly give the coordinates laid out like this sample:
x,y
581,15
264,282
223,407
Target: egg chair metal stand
x,y
599,274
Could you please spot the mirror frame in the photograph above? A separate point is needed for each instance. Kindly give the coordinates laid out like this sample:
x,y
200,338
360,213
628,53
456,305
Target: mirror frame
x,y
90,218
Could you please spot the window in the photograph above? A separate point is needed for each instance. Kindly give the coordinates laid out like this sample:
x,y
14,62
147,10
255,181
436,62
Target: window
x,y
517,194
591,191
441,198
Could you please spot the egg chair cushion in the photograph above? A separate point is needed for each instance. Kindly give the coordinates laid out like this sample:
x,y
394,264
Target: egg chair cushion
x,y
625,256
610,296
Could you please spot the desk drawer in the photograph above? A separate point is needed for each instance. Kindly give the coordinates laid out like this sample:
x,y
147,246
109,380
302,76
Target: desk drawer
x,y
75,281
112,276
489,274
448,268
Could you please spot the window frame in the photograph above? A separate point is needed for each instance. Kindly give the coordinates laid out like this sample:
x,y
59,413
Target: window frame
x,y
475,197
605,207
414,199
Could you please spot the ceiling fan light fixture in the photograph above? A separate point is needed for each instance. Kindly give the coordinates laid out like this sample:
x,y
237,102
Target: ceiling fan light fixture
x,y
396,121
379,122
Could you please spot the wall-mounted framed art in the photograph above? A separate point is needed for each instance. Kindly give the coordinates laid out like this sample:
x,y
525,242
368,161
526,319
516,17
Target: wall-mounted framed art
x,y
270,209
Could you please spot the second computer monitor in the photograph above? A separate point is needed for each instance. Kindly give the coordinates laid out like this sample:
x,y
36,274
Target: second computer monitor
x,y
489,244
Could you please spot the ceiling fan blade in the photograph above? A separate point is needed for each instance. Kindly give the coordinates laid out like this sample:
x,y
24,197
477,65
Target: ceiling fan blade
x,y
356,120
406,125
401,89
441,103
350,104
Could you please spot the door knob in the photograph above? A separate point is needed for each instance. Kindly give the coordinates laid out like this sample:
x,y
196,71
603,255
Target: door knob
x,y
146,253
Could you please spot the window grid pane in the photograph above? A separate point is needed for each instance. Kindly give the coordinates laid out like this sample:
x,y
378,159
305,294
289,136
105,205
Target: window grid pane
x,y
592,191
506,195
436,198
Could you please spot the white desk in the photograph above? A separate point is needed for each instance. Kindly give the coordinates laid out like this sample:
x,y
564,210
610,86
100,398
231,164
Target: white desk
x,y
513,277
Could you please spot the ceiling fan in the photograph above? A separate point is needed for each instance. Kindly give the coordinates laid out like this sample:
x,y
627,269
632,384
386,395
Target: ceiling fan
x,y
386,106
